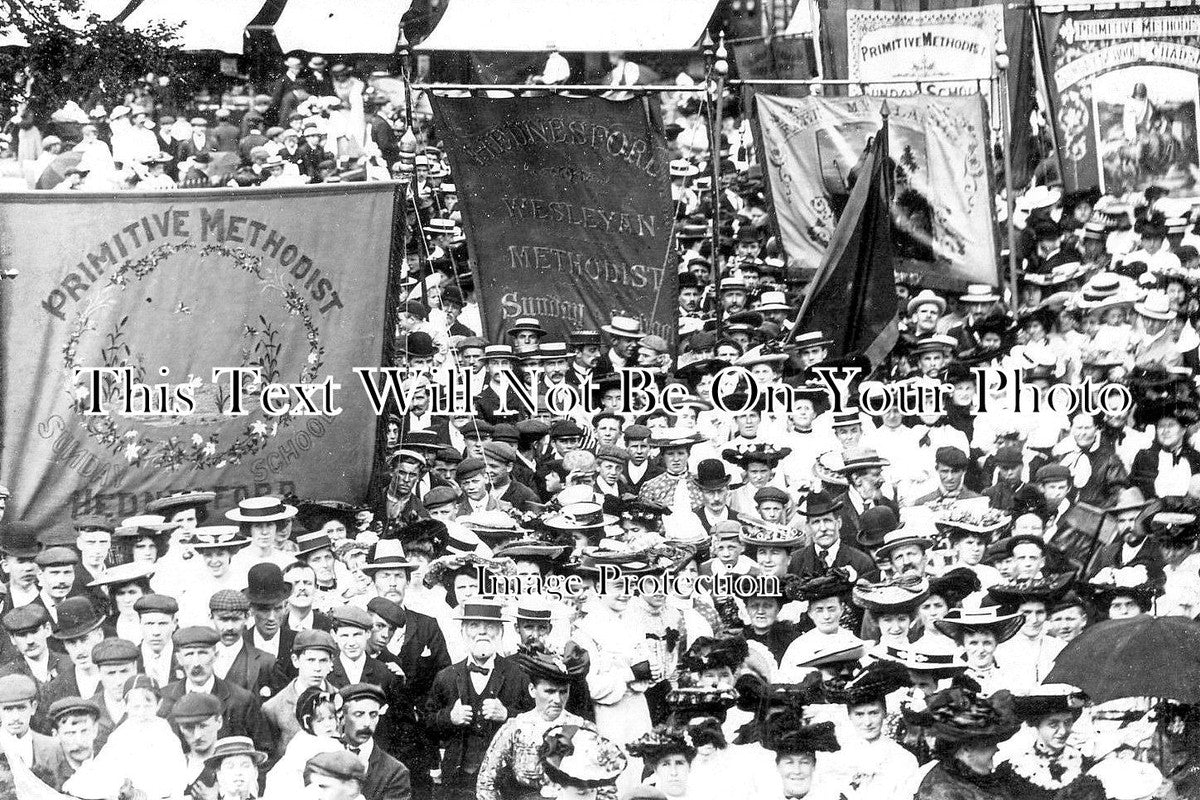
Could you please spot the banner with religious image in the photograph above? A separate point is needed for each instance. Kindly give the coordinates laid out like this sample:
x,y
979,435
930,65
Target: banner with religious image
x,y
938,145
1126,85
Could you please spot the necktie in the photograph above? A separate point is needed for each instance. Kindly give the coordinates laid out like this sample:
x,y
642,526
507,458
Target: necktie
x,y
823,555
479,669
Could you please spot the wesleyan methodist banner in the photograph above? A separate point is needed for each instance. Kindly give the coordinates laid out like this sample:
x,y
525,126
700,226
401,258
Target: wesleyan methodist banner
x,y
942,213
931,47
1126,83
160,289
567,209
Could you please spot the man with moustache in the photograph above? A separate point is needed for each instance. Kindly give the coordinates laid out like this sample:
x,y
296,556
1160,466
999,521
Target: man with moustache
x,y
80,630
470,700
363,705
586,354
236,662
57,565
196,649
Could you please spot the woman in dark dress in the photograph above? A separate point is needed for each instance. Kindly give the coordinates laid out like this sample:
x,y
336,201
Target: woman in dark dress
x,y
1048,767
967,729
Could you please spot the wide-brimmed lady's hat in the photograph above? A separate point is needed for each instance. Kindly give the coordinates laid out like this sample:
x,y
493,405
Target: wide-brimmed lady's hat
x,y
959,716
840,647
1034,707
261,509
122,574
960,621
538,661
786,733
578,757
955,585
663,741
580,517
756,454
870,684
675,437
891,597
837,582
217,537
758,532
492,525
180,501
1110,583
1047,590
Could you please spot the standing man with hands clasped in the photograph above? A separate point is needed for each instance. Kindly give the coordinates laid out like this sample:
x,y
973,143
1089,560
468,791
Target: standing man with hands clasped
x,y
470,700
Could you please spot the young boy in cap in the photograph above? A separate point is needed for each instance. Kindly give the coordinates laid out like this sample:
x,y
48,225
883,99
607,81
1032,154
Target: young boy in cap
x,y
312,659
335,776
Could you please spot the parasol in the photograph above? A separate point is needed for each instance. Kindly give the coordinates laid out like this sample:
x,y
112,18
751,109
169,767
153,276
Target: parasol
x,y
56,171
1140,657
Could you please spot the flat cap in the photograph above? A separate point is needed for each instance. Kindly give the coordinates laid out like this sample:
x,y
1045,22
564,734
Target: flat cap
x,y
70,706
505,432
951,457
475,429
115,651
340,764
532,428
501,451
1009,456
93,522
314,640
56,557
195,706
565,428
769,494
195,636
25,618
388,610
228,600
439,496
356,691
1052,472
156,603
468,468
726,529
611,452
16,688
352,616
637,433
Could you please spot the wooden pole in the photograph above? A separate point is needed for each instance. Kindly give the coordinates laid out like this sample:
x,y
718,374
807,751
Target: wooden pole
x,y
1010,200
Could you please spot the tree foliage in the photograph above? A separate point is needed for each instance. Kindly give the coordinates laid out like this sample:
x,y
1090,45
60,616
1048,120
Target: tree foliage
x,y
75,55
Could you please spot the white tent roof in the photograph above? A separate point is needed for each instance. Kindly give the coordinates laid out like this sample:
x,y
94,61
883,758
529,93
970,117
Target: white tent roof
x,y
533,26
340,26
105,9
211,25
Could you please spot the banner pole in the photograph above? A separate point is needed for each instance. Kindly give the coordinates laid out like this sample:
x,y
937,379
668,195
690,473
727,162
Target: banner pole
x,y
1039,73
1010,200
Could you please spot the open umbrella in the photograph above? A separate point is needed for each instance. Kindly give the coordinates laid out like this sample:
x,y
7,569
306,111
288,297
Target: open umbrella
x,y
56,170
1140,657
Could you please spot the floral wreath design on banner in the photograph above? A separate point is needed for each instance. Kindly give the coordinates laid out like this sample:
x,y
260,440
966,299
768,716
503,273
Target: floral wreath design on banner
x,y
262,351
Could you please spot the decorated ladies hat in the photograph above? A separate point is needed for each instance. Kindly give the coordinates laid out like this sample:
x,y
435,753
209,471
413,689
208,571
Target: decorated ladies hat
x,y
662,741
575,756
891,597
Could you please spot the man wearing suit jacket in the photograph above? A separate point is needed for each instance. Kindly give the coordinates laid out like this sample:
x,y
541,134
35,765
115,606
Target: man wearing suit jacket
x,y
951,465
640,467
863,470
80,629
1131,546
362,706
828,550
29,627
156,614
238,662
242,716
351,632
470,700
43,754
19,547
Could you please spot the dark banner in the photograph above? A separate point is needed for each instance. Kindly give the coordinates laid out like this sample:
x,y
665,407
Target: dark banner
x,y
129,313
567,209
1126,88
780,57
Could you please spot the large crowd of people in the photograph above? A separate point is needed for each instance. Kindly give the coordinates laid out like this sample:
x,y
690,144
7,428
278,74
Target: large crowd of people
x,y
898,588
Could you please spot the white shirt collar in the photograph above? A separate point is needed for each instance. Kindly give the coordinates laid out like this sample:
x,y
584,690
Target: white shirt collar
x,y
204,688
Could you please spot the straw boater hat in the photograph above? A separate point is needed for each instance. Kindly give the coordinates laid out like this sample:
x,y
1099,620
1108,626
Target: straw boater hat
x,y
261,509
810,339
624,328
861,458
925,298
389,554
1156,305
979,293
480,610
931,654
902,536
180,501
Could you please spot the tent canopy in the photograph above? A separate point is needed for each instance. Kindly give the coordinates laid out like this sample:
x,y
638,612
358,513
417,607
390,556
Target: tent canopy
x,y
105,9
338,26
532,26
212,25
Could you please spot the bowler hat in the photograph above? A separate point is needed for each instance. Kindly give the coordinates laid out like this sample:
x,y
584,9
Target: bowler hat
x,y
819,504
711,474
19,540
265,585
77,616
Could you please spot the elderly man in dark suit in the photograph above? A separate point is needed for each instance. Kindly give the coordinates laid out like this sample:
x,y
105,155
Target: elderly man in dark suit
x,y
470,700
828,550
242,715
387,778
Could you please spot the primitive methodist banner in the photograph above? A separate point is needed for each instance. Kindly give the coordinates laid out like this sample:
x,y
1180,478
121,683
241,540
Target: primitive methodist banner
x,y
927,46
1126,89
942,210
567,209
161,289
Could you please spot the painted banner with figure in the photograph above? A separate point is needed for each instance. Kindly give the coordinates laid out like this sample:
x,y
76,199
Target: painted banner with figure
x,y
942,207
567,209
1126,85
937,48
124,306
